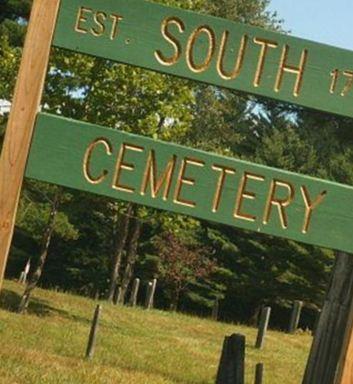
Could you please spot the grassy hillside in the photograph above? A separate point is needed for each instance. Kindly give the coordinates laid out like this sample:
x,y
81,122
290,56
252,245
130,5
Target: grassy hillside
x,y
134,346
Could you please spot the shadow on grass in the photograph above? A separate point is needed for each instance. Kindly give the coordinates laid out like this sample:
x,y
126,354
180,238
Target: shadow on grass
x,y
10,300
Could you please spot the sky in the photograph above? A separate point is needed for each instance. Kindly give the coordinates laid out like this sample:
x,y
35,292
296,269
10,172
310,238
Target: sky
x,y
324,21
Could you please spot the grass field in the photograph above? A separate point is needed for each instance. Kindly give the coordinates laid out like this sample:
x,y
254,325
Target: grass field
x,y
134,346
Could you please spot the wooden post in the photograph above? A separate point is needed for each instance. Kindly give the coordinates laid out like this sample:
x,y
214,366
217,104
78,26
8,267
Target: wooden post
x,y
151,289
134,293
232,364
295,317
25,105
259,374
345,368
215,310
264,321
93,333
331,355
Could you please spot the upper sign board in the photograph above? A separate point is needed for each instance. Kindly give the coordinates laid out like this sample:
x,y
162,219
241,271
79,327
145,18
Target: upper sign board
x,y
211,50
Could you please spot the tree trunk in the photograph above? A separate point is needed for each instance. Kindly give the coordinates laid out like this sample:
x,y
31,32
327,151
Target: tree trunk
x,y
175,300
121,236
37,273
131,257
255,318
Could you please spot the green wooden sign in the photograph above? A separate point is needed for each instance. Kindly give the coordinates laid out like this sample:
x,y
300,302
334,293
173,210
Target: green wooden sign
x,y
183,180
210,50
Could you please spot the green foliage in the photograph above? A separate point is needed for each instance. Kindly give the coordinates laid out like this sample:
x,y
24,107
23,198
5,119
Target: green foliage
x,y
13,16
181,264
245,11
36,217
14,10
9,57
34,210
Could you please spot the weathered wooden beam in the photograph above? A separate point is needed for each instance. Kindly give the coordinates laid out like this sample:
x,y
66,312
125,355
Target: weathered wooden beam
x,y
345,369
25,106
345,375
330,360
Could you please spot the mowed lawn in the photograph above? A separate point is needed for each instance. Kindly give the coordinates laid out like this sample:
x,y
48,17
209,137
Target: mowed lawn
x,y
134,346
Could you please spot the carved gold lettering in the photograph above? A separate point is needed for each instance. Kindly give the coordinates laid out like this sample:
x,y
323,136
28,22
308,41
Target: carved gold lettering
x,y
244,194
310,206
281,204
334,75
99,18
81,18
198,68
224,171
114,31
87,160
172,40
349,82
121,165
150,177
265,45
183,180
284,67
240,58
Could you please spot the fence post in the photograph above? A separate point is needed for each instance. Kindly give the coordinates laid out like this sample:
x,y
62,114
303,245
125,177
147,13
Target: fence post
x,y
93,333
295,317
259,374
264,321
134,292
232,364
151,289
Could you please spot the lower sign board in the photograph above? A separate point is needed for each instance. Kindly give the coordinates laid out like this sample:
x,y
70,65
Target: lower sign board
x,y
167,176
